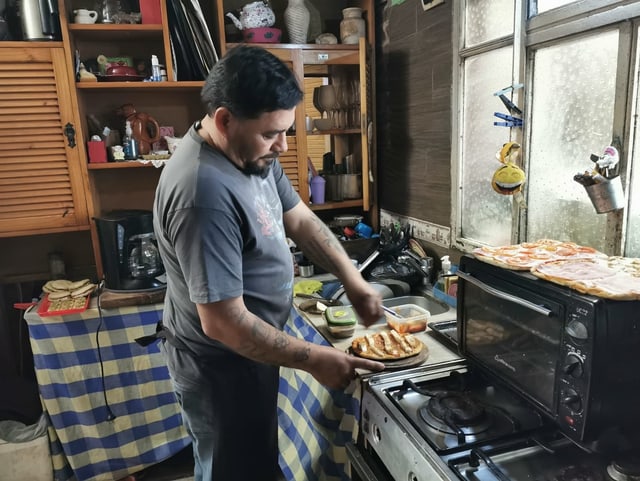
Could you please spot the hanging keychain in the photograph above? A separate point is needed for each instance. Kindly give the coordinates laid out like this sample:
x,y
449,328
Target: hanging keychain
x,y
509,178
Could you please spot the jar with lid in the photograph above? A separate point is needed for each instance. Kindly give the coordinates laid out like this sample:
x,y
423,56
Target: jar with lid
x,y
352,25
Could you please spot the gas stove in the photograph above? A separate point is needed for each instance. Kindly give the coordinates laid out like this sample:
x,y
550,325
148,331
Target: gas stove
x,y
450,422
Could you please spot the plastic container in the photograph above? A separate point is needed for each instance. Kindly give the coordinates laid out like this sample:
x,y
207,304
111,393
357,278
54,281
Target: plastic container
x,y
70,306
341,320
409,318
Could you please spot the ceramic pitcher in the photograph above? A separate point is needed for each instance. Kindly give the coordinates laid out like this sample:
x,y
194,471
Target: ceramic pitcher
x,y
85,16
254,15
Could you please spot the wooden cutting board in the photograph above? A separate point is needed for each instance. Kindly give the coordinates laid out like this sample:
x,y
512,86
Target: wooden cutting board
x,y
110,300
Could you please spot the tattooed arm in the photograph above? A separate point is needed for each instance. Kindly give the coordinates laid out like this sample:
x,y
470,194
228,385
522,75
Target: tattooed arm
x,y
322,247
232,324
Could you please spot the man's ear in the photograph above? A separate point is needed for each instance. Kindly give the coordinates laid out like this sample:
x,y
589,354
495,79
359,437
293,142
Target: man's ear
x,y
222,119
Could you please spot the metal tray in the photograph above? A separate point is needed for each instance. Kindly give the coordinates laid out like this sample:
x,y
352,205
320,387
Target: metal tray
x,y
445,332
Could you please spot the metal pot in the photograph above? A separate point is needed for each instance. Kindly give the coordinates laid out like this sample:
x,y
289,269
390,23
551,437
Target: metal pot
x,y
333,188
346,220
351,186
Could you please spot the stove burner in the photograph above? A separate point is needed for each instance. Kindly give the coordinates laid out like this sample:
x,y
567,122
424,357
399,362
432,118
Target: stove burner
x,y
578,473
625,469
456,413
456,407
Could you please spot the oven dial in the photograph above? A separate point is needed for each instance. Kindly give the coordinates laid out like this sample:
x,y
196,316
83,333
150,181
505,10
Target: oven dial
x,y
573,366
577,330
572,400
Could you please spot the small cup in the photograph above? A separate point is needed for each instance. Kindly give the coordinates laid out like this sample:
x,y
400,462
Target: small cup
x,y
305,270
308,123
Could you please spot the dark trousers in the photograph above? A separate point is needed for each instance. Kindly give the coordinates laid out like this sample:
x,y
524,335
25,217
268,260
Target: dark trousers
x,y
231,416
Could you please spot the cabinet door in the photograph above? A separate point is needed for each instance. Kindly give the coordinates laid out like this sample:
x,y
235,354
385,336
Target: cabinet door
x,y
41,181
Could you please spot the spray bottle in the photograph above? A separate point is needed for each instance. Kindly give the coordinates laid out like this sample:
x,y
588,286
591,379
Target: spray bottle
x,y
445,272
129,144
156,75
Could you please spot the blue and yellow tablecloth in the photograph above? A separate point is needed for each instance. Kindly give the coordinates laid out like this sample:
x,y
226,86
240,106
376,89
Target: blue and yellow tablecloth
x,y
315,423
79,383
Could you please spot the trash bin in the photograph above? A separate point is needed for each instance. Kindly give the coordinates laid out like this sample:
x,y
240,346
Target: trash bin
x,y
24,451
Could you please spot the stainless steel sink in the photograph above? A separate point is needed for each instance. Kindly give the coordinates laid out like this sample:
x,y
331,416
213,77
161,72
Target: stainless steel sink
x,y
432,305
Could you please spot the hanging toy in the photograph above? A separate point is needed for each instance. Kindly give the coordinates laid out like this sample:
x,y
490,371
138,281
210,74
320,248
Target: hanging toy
x,y
509,178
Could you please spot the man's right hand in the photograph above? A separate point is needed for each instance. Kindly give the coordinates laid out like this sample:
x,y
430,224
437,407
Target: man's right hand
x,y
336,369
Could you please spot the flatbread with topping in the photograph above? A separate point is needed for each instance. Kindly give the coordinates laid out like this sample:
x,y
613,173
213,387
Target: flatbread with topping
x,y
387,346
523,257
610,278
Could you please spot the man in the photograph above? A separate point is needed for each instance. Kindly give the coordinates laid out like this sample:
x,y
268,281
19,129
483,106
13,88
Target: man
x,y
223,207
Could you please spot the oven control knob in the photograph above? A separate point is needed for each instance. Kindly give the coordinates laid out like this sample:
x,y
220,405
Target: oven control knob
x,y
577,330
572,400
573,366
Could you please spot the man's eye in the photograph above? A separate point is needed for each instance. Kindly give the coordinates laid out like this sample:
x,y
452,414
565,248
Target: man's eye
x,y
269,136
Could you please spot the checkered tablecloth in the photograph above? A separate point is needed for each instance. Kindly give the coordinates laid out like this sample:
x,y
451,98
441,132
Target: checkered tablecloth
x,y
74,383
315,423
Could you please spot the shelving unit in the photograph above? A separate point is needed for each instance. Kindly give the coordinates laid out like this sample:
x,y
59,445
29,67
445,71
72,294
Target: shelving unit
x,y
125,185
326,61
96,189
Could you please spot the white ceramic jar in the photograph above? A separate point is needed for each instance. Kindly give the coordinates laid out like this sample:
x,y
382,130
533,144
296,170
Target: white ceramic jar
x,y
352,26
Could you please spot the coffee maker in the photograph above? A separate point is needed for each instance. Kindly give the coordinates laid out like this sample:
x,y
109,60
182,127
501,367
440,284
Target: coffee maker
x,y
129,251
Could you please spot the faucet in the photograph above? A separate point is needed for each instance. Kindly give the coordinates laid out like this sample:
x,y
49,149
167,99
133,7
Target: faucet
x,y
424,265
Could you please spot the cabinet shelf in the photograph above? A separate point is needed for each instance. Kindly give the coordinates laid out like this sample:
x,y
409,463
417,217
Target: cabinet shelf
x,y
115,32
183,85
337,205
119,165
335,132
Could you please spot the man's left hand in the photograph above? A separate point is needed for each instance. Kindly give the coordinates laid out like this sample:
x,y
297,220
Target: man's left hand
x,y
366,301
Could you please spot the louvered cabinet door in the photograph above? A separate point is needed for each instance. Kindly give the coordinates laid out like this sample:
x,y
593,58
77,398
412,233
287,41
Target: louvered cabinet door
x,y
41,180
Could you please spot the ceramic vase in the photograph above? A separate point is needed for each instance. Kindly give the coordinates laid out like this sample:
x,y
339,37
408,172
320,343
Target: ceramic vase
x,y
352,26
296,18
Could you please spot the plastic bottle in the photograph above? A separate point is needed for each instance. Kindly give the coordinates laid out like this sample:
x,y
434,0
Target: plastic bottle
x,y
156,76
129,144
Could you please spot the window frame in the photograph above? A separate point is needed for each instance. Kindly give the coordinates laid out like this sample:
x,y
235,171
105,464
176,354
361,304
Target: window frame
x,y
532,32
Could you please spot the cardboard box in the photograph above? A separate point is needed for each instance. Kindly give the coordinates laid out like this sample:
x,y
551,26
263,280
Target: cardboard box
x,y
97,151
150,11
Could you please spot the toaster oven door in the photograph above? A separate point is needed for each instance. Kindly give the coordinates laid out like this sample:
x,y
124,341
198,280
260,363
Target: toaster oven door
x,y
511,331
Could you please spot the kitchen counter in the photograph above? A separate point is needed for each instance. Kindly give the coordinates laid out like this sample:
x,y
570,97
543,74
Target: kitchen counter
x,y
438,352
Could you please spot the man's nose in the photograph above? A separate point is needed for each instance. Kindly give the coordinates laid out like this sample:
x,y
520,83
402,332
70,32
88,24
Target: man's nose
x,y
280,145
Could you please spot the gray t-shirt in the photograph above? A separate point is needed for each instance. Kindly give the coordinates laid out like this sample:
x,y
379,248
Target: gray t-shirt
x,y
221,235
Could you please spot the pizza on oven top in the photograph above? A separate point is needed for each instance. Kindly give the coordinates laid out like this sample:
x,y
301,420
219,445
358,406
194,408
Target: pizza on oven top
x,y
615,277
526,255
387,346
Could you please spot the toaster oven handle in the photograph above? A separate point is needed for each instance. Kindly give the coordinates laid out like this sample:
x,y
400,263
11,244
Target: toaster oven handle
x,y
503,295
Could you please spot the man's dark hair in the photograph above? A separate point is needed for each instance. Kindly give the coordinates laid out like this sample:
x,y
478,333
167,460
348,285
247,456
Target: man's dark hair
x,y
250,81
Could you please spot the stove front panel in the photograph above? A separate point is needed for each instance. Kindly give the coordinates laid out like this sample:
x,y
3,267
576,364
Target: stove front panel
x,y
400,449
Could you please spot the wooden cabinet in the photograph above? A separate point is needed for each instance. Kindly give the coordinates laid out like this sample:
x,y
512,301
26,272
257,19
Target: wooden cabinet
x,y
342,66
47,184
42,187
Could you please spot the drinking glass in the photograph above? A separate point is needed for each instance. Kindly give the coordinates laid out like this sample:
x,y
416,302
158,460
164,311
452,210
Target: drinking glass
x,y
327,101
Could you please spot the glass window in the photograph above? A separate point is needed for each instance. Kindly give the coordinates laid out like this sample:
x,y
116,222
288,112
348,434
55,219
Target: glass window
x,y
485,214
632,248
572,105
488,20
544,5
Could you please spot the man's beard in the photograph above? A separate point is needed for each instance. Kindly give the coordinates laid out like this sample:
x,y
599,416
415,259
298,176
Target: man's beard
x,y
254,168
